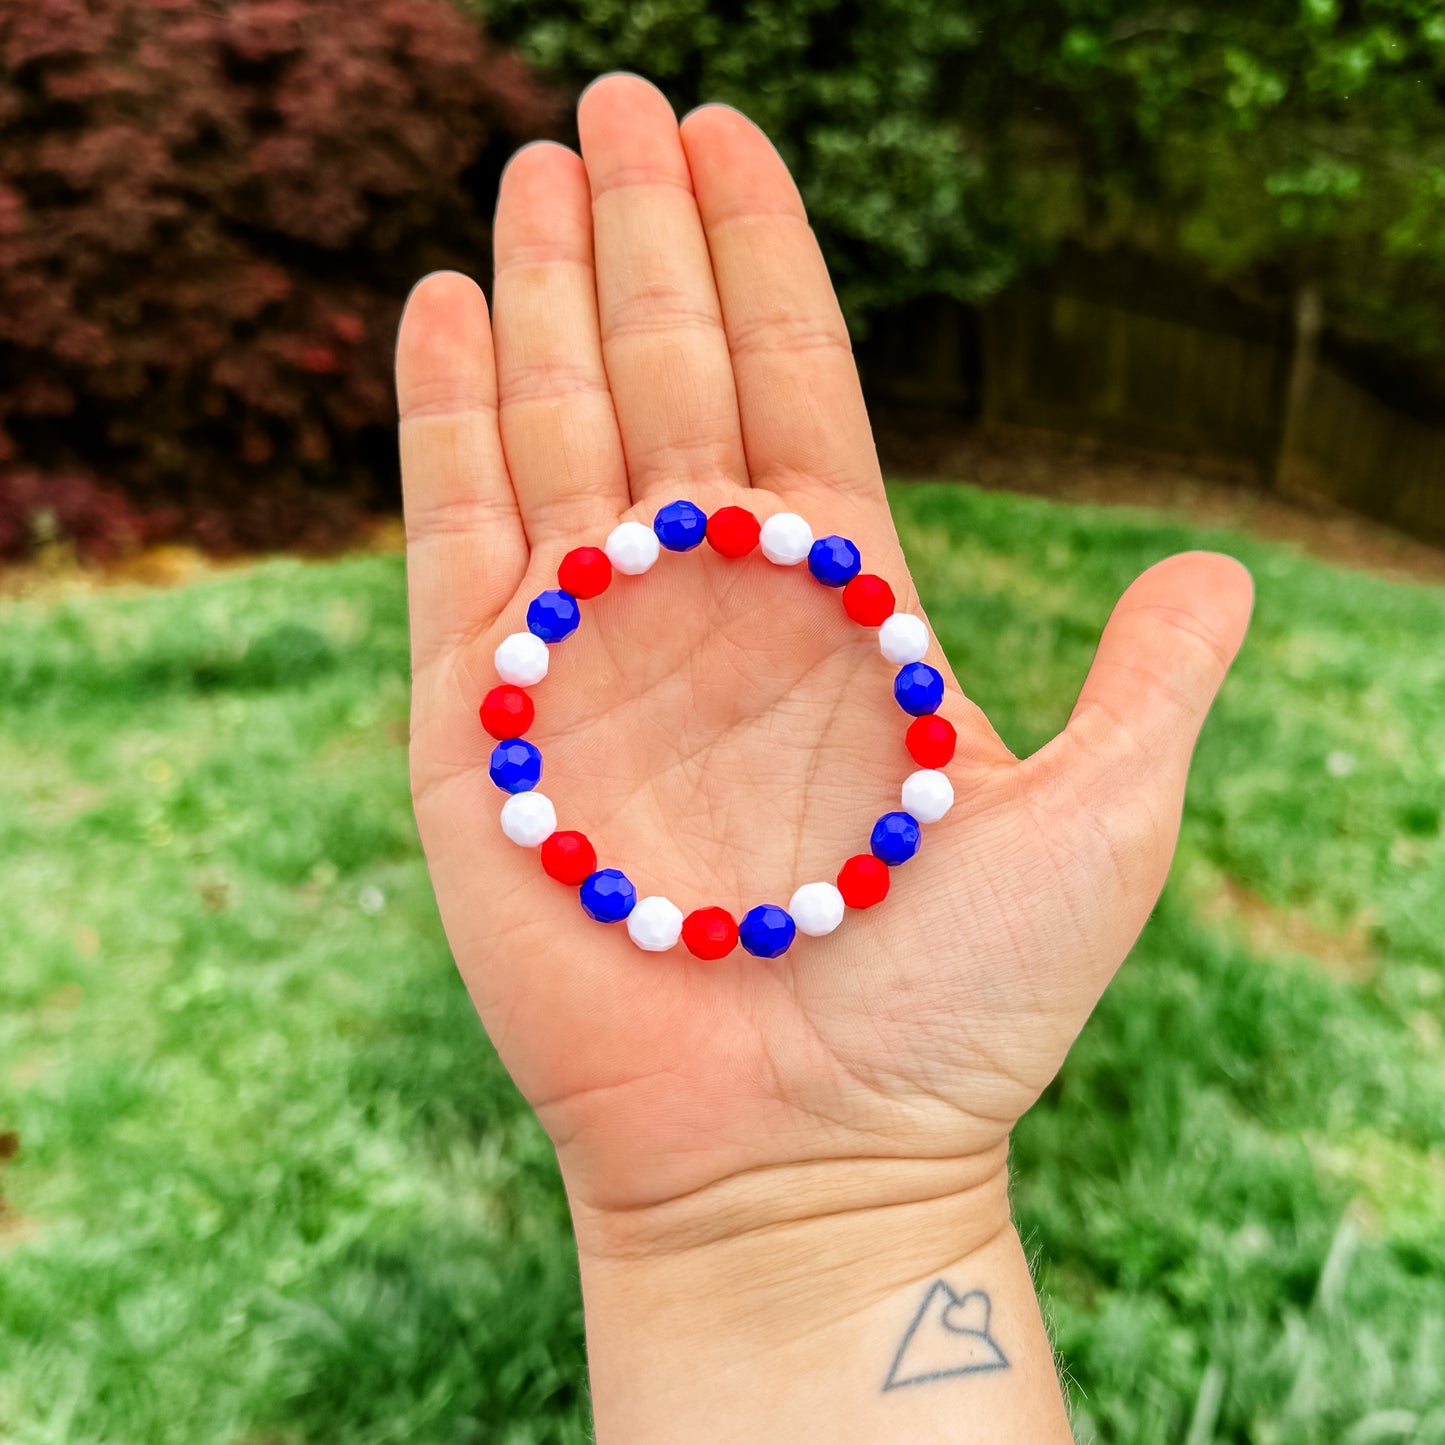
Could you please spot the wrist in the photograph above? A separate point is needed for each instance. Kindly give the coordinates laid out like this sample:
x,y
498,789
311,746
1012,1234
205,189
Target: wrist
x,y
757,1212
756,1314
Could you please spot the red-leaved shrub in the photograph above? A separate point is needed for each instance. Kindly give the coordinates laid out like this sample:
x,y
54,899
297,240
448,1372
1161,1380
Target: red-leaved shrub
x,y
35,510
209,217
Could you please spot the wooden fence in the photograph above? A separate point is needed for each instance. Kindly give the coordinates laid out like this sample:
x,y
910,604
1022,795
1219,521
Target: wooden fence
x,y
1348,445
1130,354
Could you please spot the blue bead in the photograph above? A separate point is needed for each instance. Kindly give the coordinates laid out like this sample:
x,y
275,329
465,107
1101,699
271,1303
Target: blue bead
x,y
895,838
680,526
834,561
553,615
918,688
767,930
607,895
516,766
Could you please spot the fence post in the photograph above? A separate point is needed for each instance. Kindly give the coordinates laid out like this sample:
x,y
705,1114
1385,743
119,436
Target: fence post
x,y
1291,466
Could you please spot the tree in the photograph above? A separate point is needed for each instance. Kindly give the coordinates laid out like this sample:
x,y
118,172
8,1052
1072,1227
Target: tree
x,y
209,218
945,148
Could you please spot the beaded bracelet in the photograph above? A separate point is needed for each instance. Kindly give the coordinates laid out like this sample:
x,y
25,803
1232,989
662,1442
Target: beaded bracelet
x,y
656,924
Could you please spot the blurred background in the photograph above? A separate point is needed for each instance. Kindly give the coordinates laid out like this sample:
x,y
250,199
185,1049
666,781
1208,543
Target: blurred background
x,y
1123,279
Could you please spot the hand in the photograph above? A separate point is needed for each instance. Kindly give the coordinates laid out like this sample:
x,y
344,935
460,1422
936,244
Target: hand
x,y
664,327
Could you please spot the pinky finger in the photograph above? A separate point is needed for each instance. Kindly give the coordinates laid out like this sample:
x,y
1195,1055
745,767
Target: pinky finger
x,y
466,550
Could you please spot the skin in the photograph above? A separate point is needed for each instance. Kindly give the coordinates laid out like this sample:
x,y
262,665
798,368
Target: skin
x,y
664,327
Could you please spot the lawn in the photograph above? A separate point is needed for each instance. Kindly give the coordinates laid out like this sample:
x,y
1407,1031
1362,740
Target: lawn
x,y
272,1187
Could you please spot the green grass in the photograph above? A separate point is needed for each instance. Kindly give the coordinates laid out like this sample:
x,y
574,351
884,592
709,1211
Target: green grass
x,y
274,1188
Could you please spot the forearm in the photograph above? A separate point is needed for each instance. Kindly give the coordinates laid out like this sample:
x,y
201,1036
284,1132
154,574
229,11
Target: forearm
x,y
913,1323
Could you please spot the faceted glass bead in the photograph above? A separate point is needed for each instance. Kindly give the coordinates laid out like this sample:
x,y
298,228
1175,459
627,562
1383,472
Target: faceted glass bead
x,y
817,909
834,561
516,766
868,600
931,740
918,688
766,931
733,531
903,638
680,526
585,572
709,933
553,615
521,659
863,881
608,896
528,819
927,795
895,838
655,924
507,712
632,548
786,539
568,857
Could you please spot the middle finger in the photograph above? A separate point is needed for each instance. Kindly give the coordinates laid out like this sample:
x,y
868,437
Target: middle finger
x,y
663,340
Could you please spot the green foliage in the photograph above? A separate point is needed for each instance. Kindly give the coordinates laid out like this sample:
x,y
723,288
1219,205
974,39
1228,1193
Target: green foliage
x,y
274,1186
859,99
943,148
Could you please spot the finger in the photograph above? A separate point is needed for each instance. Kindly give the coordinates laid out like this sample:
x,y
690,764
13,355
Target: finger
x,y
465,547
662,333
558,428
1161,660
804,424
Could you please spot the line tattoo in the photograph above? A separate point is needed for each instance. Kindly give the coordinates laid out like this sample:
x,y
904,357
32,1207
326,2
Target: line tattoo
x,y
949,1336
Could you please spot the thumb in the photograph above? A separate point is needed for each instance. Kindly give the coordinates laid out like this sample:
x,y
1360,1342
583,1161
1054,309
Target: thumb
x,y
1161,660
1111,785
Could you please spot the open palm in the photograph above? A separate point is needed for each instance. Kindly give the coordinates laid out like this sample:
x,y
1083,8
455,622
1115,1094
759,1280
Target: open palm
x,y
664,327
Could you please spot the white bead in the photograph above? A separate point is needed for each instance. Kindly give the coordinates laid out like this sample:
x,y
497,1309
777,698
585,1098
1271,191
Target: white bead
x,y
655,924
927,794
632,548
903,638
521,659
817,908
529,819
786,539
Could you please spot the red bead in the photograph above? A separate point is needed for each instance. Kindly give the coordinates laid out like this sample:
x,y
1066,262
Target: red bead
x,y
710,933
863,881
733,531
931,741
585,572
569,858
507,712
869,600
